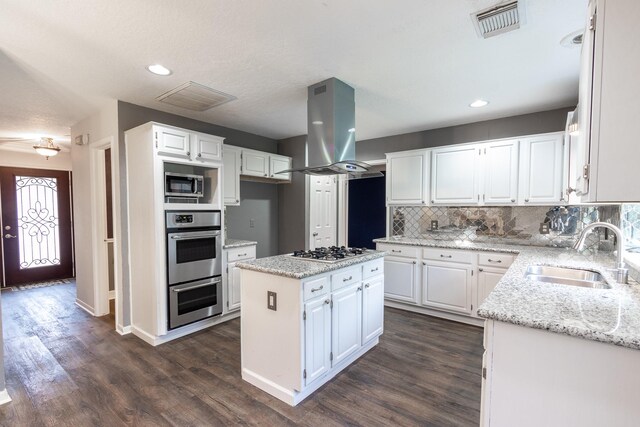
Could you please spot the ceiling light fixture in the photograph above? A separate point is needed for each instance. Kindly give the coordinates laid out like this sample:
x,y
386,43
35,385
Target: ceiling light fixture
x,y
47,148
478,103
159,70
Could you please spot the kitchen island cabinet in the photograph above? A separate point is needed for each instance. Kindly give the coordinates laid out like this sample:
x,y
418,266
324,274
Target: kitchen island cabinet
x,y
303,321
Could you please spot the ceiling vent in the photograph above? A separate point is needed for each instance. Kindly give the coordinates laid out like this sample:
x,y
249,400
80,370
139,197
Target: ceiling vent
x,y
498,19
196,97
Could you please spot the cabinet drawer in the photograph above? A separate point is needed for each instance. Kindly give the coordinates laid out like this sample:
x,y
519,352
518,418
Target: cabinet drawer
x,y
239,254
399,250
495,260
346,277
315,288
448,255
373,268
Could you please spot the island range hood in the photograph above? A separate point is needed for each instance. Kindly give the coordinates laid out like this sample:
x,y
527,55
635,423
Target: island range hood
x,y
331,137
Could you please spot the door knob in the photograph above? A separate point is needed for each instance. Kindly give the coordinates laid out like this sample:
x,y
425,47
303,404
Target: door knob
x,y
9,236
7,227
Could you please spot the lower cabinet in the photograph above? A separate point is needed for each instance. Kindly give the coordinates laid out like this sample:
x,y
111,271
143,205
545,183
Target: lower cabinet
x,y
346,322
447,285
231,279
488,278
401,279
317,342
372,308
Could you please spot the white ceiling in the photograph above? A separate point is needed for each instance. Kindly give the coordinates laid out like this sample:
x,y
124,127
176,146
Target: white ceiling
x,y
415,64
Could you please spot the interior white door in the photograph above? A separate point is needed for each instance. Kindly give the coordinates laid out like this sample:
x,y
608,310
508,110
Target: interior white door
x,y
323,211
500,175
317,332
347,322
372,308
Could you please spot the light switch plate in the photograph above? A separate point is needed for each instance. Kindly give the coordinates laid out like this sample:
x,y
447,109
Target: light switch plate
x,y
272,301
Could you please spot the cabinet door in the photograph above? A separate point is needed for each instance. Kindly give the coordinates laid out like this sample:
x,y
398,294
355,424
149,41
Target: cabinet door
x,y
233,286
406,178
500,164
541,170
447,285
172,142
317,338
454,175
231,166
372,308
207,147
347,322
488,278
255,163
400,279
277,164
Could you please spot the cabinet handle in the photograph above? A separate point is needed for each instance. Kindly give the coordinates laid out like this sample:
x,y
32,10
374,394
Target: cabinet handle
x,y
265,174
526,200
199,155
446,256
318,289
246,255
188,153
327,301
414,262
483,197
481,269
424,263
359,288
423,202
237,201
374,269
478,197
513,200
346,279
397,251
495,260
432,201
366,286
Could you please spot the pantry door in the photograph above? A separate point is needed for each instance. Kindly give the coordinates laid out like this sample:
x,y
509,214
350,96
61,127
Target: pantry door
x,y
36,225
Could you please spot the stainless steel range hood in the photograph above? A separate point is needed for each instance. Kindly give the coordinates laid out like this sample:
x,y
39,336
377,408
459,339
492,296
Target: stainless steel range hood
x,y
331,140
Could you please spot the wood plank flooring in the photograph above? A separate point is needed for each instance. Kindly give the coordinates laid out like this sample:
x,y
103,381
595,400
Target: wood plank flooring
x,y
66,368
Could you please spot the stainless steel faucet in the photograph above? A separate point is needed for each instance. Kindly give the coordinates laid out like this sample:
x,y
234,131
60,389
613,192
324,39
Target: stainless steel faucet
x,y
622,273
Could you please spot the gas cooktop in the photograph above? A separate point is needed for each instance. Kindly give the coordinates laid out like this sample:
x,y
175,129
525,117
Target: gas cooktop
x,y
330,254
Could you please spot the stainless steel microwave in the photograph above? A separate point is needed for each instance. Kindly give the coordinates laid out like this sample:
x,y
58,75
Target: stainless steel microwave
x,y
183,185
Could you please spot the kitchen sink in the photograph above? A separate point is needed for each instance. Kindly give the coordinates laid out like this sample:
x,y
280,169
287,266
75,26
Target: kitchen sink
x,y
567,276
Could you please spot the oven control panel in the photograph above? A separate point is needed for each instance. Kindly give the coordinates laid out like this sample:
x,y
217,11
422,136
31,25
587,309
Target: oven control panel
x,y
193,219
183,219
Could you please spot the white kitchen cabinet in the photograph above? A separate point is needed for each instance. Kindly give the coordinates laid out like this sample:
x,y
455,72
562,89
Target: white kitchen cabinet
x,y
455,173
500,173
277,164
232,163
488,278
607,146
206,148
401,279
372,308
346,322
255,163
317,332
407,178
232,276
541,163
172,142
447,285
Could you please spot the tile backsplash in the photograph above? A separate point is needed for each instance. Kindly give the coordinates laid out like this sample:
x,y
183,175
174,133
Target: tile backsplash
x,y
557,226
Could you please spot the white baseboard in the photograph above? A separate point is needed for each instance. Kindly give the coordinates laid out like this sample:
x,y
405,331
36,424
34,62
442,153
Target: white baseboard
x,y
4,397
112,294
435,313
86,307
123,330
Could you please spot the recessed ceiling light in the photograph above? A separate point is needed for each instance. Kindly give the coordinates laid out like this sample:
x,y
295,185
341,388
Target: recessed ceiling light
x,y
478,103
159,70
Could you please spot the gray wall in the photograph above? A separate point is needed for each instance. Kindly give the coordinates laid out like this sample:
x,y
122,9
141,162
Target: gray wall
x,y
261,199
292,199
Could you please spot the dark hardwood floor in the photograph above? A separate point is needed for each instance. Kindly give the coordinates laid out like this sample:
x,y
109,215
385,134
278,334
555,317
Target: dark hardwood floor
x,y
66,368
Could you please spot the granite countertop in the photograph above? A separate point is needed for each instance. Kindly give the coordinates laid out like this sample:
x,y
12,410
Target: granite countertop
x,y
605,315
298,268
234,243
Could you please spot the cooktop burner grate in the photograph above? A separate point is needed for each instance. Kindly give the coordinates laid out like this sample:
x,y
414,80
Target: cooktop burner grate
x,y
330,254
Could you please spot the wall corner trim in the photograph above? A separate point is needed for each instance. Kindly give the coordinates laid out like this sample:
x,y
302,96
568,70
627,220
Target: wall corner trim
x,y
86,307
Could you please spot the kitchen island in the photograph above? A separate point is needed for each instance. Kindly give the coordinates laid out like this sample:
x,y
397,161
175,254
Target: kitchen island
x,y
305,321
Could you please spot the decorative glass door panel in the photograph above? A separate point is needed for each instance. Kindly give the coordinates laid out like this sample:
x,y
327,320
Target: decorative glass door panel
x,y
38,226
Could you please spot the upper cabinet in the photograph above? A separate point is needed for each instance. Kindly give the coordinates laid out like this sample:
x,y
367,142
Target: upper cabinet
x,y
407,178
541,163
278,164
255,163
454,175
606,147
232,164
187,145
500,175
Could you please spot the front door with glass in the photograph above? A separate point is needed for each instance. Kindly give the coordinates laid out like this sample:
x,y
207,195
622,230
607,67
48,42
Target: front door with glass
x,y
36,225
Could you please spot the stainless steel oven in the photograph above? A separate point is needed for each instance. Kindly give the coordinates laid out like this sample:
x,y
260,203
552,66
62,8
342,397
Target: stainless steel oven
x,y
194,266
194,245
193,301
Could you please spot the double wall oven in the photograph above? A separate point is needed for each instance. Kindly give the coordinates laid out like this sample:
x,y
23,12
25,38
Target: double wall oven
x,y
194,266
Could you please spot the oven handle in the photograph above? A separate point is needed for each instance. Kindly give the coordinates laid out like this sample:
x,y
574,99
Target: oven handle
x,y
192,236
202,285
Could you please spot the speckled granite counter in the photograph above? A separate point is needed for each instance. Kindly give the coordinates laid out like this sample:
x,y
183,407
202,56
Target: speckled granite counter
x,y
605,315
233,243
297,268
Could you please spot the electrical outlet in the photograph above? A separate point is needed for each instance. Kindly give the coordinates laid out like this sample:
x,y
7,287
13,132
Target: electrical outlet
x,y
252,223
272,301
434,224
544,228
